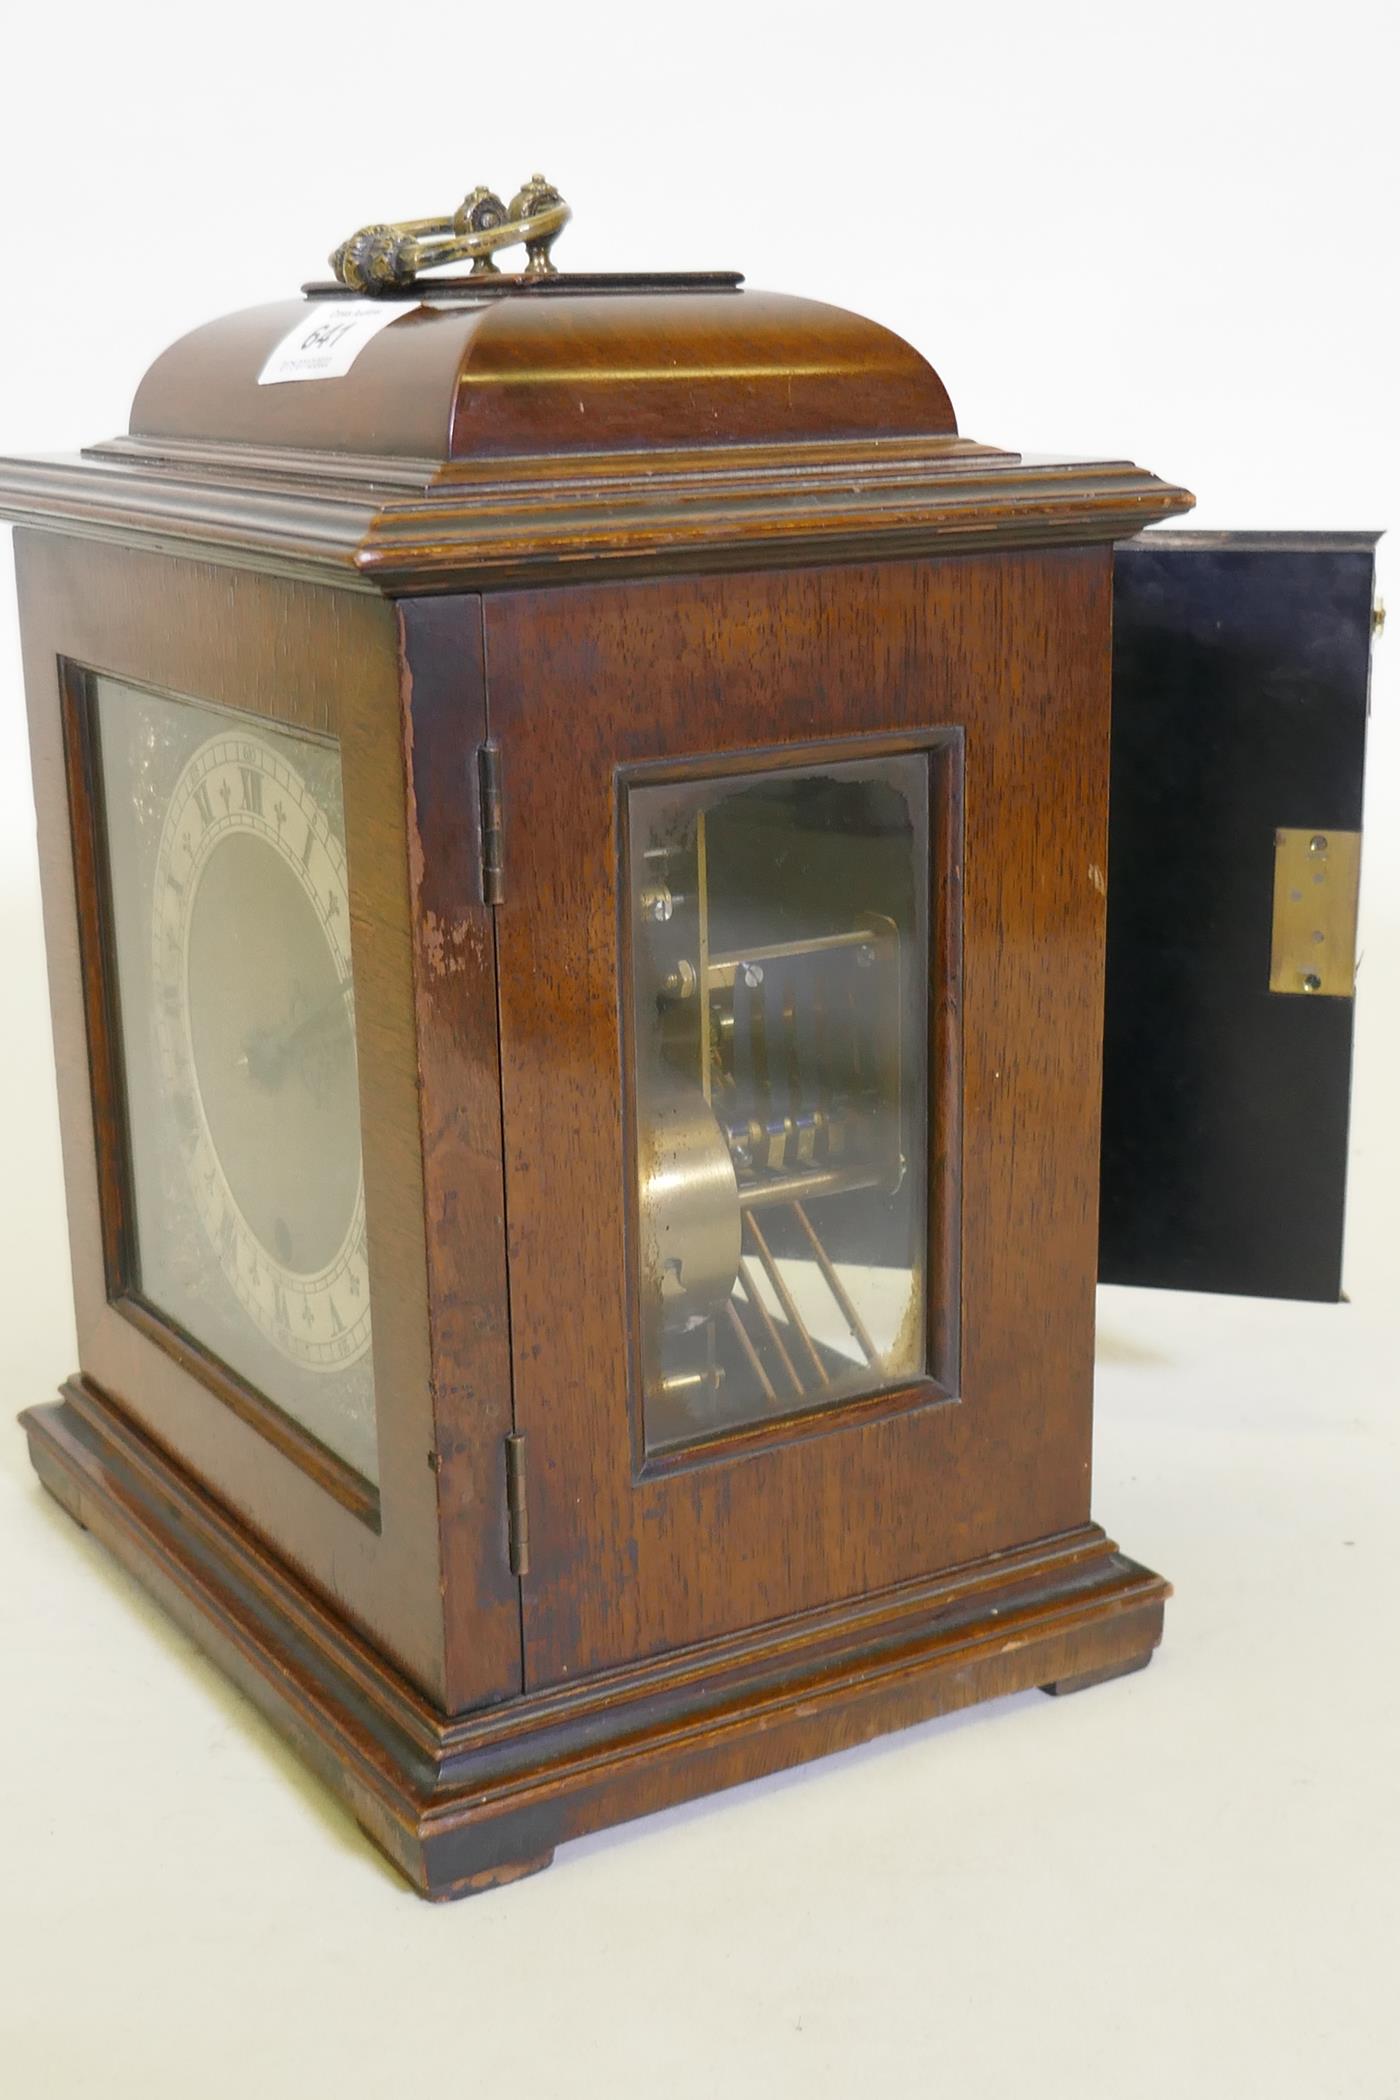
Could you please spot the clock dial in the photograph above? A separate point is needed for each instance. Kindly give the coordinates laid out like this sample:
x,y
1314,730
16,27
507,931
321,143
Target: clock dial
x,y
230,909
251,945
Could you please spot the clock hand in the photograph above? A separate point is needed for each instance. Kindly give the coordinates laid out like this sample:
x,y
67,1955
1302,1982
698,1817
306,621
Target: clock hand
x,y
265,1057
337,999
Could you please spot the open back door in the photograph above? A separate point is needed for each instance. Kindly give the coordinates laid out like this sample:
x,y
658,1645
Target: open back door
x,y
1240,683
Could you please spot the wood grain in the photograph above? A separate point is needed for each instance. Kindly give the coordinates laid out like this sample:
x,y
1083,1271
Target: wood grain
x,y
584,373
531,440
454,978
702,524
1013,651
329,663
463,1805
420,527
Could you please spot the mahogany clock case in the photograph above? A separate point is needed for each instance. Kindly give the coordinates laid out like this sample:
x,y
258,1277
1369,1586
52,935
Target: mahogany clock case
x,y
538,1619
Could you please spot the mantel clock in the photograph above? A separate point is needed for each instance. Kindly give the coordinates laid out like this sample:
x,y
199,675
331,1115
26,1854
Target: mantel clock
x,y
573,815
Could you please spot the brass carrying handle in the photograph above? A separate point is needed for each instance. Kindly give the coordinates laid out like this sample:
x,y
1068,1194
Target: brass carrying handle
x,y
381,258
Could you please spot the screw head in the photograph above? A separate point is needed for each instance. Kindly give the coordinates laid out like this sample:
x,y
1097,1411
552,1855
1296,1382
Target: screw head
x,y
1317,843
1312,982
753,975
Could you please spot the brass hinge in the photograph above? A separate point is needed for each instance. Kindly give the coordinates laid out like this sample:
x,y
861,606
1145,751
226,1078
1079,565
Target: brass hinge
x,y
1317,877
493,867
517,1517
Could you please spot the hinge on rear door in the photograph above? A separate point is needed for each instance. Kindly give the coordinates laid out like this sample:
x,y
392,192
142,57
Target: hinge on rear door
x,y
493,867
517,1517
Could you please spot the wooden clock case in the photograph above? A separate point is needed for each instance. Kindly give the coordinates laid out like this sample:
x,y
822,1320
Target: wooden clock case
x,y
540,540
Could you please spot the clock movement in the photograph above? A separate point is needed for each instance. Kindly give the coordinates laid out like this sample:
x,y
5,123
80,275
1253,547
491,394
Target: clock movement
x,y
573,820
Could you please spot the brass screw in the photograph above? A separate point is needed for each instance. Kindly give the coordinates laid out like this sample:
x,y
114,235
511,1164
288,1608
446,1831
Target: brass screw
x,y
1378,617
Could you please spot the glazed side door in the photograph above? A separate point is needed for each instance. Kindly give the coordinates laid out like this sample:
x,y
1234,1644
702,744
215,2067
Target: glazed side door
x,y
617,710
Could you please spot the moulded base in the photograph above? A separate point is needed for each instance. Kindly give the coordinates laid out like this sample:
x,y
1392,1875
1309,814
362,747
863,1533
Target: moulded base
x,y
469,1802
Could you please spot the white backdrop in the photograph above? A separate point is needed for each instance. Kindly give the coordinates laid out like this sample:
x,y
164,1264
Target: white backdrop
x,y
1161,231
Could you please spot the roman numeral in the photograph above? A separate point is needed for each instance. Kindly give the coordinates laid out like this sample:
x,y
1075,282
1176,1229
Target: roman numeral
x,y
336,1322
204,805
252,790
279,1305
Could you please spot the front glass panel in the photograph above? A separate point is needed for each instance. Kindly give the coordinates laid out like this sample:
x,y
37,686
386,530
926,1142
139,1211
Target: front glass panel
x,y
230,922
779,957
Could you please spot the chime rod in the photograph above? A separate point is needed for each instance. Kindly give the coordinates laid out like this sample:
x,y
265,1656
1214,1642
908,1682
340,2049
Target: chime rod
x,y
784,1295
741,1336
766,1321
790,1188
837,1288
702,901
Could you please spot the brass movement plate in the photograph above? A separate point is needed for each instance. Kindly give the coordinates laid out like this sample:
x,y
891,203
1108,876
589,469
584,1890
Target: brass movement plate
x,y
1317,881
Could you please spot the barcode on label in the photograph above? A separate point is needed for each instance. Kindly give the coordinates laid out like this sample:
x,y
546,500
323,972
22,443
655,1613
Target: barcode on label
x,y
328,338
